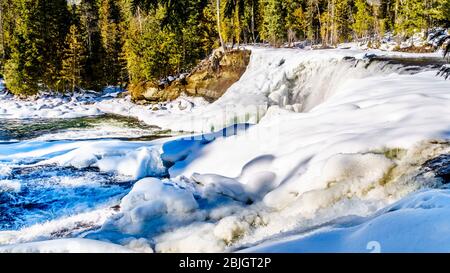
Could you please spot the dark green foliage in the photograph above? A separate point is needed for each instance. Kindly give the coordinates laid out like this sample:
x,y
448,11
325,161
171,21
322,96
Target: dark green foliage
x,y
73,60
60,46
111,29
159,43
37,46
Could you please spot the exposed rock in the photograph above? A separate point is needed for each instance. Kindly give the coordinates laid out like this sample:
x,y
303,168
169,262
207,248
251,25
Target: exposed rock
x,y
210,79
150,92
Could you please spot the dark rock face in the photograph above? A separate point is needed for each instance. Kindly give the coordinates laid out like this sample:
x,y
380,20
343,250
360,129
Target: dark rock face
x,y
440,166
444,71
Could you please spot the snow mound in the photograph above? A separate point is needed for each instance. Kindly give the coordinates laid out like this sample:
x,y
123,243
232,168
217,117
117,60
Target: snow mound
x,y
149,191
133,159
341,176
44,106
151,202
418,223
137,164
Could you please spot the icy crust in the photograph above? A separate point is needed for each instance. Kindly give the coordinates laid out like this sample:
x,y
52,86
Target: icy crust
x,y
417,223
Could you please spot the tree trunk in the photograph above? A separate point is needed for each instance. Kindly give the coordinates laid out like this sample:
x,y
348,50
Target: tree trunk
x,y
2,34
253,22
218,24
139,19
318,15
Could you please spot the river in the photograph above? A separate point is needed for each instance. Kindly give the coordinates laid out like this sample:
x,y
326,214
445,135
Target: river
x,y
31,194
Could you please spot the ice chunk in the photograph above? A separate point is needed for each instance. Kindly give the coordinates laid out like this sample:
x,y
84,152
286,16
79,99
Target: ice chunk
x,y
149,200
216,184
137,164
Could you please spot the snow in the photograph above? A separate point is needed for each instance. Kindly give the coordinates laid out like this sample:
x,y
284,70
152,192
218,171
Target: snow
x,y
48,107
418,223
76,245
333,162
4,171
131,159
9,185
138,164
151,199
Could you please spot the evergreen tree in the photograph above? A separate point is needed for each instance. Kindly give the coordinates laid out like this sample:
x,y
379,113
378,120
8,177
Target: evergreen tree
x,y
363,19
410,17
296,20
37,46
74,59
112,40
273,27
342,17
93,74
313,20
7,26
251,19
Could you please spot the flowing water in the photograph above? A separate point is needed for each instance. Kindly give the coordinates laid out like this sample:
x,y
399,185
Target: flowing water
x,y
31,194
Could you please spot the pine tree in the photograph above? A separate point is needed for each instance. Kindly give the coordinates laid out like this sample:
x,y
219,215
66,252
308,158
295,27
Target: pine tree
x,y
326,26
218,19
410,17
112,41
342,25
313,20
74,59
37,46
93,75
362,19
7,26
250,21
273,27
53,25
296,20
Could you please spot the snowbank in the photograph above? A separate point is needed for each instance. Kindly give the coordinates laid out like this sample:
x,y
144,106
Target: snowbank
x,y
418,223
48,107
133,159
150,203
